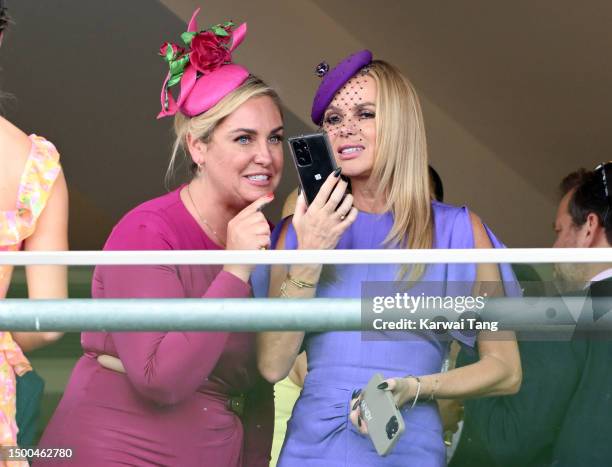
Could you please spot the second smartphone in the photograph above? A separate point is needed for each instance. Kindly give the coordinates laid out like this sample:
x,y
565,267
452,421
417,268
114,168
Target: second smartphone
x,y
384,419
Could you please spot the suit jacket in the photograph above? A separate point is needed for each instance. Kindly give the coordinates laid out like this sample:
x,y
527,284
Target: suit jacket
x,y
561,417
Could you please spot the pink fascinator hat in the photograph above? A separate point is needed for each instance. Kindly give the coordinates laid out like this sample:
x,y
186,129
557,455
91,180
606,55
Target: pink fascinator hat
x,y
203,68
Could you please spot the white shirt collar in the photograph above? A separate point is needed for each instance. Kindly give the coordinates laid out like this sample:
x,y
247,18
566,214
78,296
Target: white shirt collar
x,y
605,274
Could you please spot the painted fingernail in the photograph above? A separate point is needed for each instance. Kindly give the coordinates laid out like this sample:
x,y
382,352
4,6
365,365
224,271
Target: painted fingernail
x,y
356,392
337,172
383,385
355,405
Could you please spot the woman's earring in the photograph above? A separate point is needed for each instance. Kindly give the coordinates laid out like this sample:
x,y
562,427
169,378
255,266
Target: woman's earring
x,y
200,167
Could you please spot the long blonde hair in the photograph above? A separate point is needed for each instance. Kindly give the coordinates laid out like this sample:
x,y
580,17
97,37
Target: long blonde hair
x,y
400,170
203,126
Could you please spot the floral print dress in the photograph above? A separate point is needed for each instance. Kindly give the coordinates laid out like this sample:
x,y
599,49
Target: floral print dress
x,y
40,172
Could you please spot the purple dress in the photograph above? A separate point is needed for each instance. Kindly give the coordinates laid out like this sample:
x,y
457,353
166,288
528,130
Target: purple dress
x,y
319,433
171,407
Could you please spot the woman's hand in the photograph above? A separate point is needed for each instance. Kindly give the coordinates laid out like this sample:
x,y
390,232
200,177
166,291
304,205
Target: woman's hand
x,y
355,414
320,226
248,230
402,389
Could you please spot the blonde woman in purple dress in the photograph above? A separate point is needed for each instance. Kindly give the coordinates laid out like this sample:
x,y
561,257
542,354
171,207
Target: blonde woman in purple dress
x,y
373,118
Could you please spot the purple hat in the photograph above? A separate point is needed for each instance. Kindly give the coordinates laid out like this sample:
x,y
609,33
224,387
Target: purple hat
x,y
335,79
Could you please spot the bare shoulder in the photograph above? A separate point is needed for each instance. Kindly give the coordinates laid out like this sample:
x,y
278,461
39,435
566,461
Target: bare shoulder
x,y
481,238
487,274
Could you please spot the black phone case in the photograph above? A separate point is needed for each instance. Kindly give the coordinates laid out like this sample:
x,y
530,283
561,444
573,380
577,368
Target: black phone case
x,y
315,165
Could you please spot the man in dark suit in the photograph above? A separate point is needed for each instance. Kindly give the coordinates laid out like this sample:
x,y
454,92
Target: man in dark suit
x,y
562,416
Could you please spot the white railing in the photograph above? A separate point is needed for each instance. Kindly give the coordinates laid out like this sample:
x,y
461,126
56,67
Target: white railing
x,y
388,256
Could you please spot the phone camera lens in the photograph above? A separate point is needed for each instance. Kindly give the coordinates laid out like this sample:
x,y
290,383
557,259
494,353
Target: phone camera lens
x,y
302,154
392,427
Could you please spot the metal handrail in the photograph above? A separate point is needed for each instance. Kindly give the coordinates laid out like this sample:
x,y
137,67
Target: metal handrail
x,y
252,314
381,256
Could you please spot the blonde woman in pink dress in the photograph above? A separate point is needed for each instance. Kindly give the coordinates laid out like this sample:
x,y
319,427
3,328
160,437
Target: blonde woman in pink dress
x,y
185,398
33,216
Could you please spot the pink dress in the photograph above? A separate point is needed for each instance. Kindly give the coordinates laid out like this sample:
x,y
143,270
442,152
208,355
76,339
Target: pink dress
x,y
171,406
39,174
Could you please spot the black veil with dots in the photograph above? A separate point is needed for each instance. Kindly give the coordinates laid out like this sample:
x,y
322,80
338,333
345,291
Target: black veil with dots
x,y
343,115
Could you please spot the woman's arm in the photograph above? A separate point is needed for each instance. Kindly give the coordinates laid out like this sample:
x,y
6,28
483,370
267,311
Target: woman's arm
x,y
497,372
163,366
169,366
317,227
276,351
47,281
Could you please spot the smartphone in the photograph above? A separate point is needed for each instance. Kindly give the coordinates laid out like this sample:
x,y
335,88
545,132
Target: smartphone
x,y
384,420
314,161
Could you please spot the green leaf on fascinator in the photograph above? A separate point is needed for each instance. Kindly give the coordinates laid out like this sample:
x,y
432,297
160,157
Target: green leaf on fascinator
x,y
177,68
219,31
169,54
187,37
174,80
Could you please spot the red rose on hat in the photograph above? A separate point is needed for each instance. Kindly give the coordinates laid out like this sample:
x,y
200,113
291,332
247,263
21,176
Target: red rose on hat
x,y
208,51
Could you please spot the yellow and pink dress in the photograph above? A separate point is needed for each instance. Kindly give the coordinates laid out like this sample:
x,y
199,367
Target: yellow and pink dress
x,y
40,172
